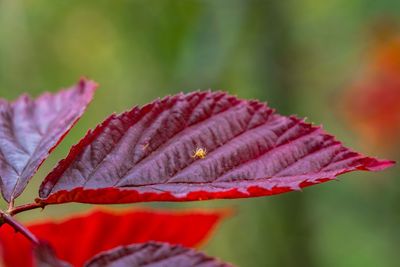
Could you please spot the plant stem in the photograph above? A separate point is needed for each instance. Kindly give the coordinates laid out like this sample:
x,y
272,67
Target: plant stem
x,y
25,207
11,204
8,219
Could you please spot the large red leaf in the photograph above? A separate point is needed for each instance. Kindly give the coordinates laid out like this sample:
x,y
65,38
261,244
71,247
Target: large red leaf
x,y
29,129
78,239
154,254
146,154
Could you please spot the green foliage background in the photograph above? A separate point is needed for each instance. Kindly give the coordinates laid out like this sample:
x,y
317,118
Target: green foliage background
x,y
297,55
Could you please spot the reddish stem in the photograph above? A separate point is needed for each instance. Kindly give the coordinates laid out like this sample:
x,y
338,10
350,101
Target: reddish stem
x,y
25,207
8,219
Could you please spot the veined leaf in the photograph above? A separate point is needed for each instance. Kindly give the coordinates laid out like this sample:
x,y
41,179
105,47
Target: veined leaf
x,y
198,146
79,238
153,255
31,128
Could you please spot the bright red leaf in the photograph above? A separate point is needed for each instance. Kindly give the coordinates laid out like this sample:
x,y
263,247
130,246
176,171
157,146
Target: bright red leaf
x,y
78,239
149,154
154,254
30,129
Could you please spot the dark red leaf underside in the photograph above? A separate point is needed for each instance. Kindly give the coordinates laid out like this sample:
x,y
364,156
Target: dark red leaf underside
x,y
146,154
31,128
80,238
154,254
45,256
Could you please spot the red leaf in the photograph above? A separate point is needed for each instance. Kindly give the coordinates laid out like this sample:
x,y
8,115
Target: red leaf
x,y
147,154
153,254
102,230
30,129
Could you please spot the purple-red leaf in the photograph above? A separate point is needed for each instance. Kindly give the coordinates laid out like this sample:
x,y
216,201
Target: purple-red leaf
x,y
45,256
153,254
31,128
157,153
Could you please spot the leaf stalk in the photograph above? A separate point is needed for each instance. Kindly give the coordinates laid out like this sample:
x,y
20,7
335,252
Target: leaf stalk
x,y
25,207
8,219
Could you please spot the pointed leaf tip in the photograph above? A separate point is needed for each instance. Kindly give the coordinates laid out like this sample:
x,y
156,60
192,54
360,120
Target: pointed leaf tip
x,y
31,128
198,146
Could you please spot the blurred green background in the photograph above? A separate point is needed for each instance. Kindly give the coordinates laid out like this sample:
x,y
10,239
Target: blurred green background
x,y
297,55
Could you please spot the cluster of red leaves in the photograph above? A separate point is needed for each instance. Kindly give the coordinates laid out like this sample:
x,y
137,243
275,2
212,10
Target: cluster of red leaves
x,y
78,239
147,154
372,104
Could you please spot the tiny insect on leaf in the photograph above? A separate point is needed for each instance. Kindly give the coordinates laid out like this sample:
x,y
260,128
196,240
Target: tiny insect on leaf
x,y
199,153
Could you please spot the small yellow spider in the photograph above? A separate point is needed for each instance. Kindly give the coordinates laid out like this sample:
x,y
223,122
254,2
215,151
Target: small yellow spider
x,y
199,153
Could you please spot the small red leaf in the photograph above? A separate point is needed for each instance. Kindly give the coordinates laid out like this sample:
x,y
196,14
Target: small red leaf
x,y
153,254
30,129
149,154
102,230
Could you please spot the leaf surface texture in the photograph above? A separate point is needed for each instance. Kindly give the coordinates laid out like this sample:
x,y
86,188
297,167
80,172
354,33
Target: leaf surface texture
x,y
153,254
31,128
152,154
